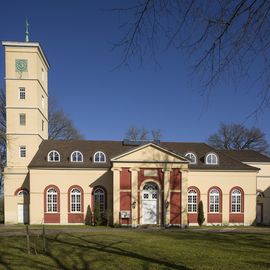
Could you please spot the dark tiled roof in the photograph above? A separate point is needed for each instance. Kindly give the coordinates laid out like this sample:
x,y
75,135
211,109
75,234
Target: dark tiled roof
x,y
115,148
246,155
201,150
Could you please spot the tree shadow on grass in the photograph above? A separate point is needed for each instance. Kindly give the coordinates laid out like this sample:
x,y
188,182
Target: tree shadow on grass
x,y
260,264
75,251
244,239
14,261
110,249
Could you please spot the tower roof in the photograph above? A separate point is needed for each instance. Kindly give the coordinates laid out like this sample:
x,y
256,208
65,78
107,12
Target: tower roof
x,y
27,44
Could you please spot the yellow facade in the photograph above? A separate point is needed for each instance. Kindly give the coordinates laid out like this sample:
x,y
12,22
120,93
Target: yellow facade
x,y
204,180
125,180
64,179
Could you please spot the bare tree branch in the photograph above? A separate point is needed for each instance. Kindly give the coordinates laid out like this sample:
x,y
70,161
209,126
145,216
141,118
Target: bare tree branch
x,y
142,134
60,126
237,136
222,37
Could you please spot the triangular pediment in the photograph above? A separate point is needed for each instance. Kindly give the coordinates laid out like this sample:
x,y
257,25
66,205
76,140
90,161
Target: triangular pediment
x,y
150,153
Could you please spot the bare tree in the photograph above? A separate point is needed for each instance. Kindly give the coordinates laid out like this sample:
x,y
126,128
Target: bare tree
x,y
236,136
136,134
60,126
156,134
142,134
221,36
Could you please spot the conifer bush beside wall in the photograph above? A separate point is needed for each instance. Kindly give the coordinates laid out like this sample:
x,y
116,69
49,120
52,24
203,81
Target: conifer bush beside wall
x,y
88,216
201,218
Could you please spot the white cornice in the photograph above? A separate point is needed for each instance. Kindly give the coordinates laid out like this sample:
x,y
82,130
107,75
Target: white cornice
x,y
183,159
27,44
227,171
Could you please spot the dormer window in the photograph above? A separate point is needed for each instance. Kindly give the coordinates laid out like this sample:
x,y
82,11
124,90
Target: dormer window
x,y
211,159
76,156
53,156
99,157
192,157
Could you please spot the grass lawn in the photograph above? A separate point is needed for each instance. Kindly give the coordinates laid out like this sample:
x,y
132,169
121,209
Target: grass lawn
x,y
137,249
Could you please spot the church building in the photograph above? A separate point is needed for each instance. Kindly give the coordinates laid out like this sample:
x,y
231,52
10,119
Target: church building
x,y
132,182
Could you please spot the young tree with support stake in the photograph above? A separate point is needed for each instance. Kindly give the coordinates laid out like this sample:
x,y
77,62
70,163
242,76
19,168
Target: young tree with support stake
x,y
97,213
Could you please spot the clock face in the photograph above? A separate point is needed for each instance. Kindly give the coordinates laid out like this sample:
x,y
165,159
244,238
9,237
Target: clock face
x,y
21,65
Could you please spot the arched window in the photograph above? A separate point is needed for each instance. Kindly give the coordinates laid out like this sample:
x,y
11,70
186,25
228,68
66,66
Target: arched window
x,y
214,200
52,200
23,193
75,200
99,198
259,194
192,201
76,156
99,157
211,159
192,157
150,186
53,156
236,201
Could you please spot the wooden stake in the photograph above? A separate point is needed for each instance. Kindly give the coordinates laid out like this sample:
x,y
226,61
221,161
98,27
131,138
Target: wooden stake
x,y
44,238
27,239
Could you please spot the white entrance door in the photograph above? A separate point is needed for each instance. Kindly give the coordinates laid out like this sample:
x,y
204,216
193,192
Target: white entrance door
x,y
22,213
150,204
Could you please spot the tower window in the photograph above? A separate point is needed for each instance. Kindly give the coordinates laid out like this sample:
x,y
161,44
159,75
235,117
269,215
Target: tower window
x,y
42,125
22,119
21,93
42,74
42,101
22,151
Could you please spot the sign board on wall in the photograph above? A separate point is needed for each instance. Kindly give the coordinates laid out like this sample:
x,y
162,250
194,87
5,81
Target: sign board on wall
x,y
125,214
151,173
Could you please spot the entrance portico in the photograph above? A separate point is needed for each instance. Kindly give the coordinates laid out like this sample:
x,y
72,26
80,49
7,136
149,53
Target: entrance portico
x,y
148,187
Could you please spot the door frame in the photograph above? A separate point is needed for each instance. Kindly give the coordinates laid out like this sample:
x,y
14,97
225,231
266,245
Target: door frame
x,y
25,216
261,205
159,200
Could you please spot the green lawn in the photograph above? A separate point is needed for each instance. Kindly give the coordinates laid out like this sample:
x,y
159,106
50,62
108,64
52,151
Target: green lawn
x,y
137,249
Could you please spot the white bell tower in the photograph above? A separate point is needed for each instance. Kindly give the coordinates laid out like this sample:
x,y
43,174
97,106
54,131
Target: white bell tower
x,y
26,81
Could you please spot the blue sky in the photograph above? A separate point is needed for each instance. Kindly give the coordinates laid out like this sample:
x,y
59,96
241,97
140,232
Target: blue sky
x,y
102,101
